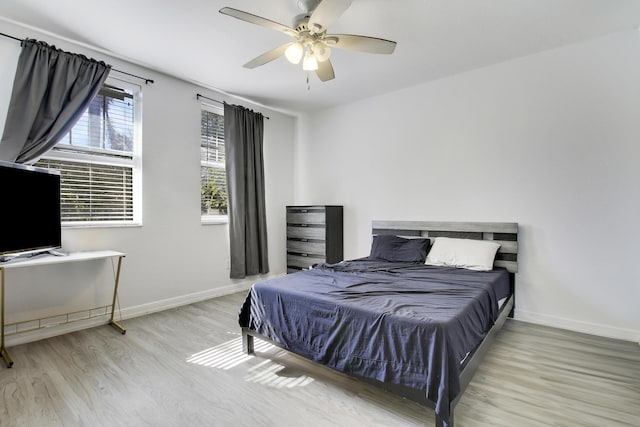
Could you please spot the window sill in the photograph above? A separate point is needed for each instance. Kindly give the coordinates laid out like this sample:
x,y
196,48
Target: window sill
x,y
214,220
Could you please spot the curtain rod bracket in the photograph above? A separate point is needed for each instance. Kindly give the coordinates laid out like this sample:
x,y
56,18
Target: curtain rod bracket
x,y
146,80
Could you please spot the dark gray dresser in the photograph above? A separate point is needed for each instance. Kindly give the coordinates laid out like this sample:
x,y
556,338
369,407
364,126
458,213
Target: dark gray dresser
x,y
314,234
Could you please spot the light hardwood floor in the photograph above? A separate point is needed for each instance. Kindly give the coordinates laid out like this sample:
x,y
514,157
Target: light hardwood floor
x,y
185,367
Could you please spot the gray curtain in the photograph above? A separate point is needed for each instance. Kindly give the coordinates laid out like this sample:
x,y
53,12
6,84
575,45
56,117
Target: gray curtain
x,y
243,135
51,90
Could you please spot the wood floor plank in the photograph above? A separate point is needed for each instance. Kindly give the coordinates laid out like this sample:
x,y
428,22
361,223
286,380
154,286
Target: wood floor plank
x,y
185,367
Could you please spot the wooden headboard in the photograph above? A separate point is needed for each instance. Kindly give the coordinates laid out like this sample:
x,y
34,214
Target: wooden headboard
x,y
504,233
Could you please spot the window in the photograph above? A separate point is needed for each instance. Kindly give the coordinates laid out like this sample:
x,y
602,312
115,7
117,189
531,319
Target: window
x,y
99,160
213,190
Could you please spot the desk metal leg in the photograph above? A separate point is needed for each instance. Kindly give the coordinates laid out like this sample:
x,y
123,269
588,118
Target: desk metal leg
x,y
3,350
6,357
112,322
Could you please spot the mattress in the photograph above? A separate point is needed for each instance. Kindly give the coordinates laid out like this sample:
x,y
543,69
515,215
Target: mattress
x,y
401,323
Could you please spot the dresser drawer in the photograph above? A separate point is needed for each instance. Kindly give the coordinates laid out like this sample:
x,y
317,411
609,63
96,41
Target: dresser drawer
x,y
306,209
306,232
306,246
303,261
306,217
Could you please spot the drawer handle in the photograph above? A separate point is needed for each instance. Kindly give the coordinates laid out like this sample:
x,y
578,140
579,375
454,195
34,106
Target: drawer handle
x,y
304,240
304,210
304,225
303,254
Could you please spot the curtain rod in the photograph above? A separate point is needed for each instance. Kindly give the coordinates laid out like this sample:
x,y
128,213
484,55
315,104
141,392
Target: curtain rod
x,y
146,80
198,96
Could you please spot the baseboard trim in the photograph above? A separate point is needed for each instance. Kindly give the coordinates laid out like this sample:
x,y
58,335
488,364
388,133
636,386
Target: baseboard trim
x,y
578,326
131,312
167,304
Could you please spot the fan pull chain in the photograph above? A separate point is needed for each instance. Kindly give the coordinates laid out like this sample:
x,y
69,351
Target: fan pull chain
x,y
308,85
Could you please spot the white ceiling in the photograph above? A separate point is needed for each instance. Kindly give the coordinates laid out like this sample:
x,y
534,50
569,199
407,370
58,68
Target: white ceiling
x,y
436,38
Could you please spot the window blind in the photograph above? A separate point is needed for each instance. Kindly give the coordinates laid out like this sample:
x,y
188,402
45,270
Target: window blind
x,y
213,200
93,192
212,137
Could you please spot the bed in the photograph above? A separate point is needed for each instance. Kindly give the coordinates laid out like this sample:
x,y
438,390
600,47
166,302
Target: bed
x,y
389,319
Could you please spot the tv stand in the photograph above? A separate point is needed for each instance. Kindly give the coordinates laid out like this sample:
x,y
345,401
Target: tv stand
x,y
57,258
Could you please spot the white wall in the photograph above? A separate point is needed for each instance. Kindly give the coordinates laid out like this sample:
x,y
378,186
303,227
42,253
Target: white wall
x,y
172,258
551,141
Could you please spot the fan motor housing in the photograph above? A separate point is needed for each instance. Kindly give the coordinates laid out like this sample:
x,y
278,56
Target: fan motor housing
x,y
301,22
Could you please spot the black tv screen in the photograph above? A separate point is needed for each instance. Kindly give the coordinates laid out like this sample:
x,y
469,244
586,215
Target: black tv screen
x,y
30,209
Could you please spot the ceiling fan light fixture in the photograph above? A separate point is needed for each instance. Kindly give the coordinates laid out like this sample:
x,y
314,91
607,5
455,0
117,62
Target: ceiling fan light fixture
x,y
309,63
294,53
321,51
311,44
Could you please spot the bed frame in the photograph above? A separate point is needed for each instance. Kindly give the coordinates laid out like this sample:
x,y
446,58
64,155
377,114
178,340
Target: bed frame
x,y
505,233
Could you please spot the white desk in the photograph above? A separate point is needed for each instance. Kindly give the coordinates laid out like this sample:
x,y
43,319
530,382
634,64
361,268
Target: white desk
x,y
41,260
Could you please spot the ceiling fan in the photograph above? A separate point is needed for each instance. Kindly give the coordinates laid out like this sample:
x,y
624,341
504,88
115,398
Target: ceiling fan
x,y
311,43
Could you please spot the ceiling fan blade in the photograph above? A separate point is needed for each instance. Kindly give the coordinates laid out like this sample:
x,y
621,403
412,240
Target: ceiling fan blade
x,y
360,43
268,56
258,20
326,14
325,71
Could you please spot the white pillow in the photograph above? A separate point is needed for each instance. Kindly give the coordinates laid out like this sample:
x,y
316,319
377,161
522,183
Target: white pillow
x,y
463,253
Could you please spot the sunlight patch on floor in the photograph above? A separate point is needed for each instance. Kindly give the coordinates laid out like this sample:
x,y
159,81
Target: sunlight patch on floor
x,y
229,354
226,355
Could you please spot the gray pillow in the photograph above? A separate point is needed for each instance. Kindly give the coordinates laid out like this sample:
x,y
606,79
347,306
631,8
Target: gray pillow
x,y
399,249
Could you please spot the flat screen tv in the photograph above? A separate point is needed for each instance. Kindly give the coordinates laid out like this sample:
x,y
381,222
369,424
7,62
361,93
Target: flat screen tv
x,y
29,210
